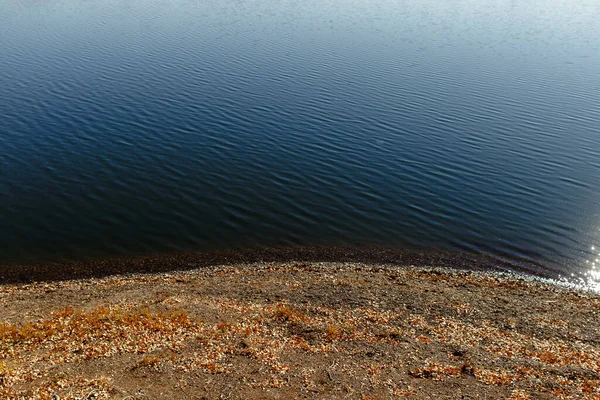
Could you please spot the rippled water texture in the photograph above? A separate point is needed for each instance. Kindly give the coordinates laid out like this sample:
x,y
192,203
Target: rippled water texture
x,y
129,127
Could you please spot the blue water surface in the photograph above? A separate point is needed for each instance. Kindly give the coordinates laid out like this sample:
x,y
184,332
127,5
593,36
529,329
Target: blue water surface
x,y
129,127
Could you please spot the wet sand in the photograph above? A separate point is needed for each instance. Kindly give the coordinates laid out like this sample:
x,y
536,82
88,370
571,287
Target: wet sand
x,y
95,268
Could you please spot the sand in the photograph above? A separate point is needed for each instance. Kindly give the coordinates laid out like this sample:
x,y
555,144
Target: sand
x,y
270,330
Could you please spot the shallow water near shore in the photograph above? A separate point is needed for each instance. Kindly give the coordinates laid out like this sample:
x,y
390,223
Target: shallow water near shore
x,y
151,127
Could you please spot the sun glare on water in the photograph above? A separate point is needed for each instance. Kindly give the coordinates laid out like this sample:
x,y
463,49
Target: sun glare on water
x,y
593,272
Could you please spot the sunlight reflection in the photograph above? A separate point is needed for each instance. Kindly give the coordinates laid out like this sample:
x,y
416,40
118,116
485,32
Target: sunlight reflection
x,y
593,273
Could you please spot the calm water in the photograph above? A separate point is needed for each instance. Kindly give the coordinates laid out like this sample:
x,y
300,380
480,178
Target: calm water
x,y
129,127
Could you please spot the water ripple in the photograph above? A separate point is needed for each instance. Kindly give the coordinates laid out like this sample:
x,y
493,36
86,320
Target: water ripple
x,y
123,132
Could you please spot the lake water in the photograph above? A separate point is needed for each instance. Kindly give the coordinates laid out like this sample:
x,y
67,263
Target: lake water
x,y
130,127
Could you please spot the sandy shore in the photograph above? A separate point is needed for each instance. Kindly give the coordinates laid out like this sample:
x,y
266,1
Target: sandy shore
x,y
96,268
299,330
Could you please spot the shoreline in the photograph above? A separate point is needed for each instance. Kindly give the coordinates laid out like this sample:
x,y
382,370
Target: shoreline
x,y
181,261
300,330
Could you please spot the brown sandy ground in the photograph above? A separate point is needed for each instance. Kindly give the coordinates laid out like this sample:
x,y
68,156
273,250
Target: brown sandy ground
x,y
299,330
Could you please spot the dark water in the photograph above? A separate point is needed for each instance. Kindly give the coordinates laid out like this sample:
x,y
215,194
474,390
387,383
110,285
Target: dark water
x,y
129,127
